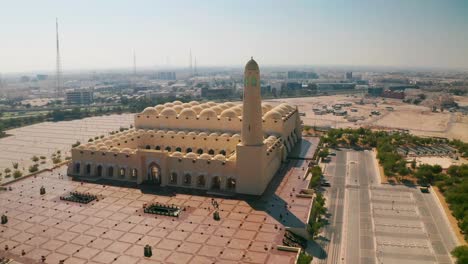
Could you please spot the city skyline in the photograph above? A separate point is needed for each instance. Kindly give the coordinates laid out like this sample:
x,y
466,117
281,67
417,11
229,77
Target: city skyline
x,y
103,35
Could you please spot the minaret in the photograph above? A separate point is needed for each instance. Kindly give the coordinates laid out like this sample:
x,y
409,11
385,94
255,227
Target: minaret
x,y
251,152
252,134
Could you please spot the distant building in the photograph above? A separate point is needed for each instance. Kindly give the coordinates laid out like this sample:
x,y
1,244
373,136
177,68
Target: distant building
x,y
349,75
79,97
42,77
302,75
334,87
166,75
375,91
217,93
25,79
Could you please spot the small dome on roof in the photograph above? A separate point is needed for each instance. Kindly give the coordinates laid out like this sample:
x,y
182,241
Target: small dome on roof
x,y
81,147
170,132
178,108
230,104
229,113
237,110
126,150
115,149
150,111
191,155
204,106
103,148
223,106
214,134
92,148
168,104
217,109
108,142
181,133
161,132
236,136
203,134
177,154
205,156
272,114
197,109
177,102
219,157
168,112
211,103
226,135
208,113
186,105
159,107
194,103
192,133
187,112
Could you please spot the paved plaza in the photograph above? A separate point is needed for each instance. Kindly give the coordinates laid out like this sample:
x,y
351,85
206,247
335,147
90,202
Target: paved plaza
x,y
381,223
44,139
115,229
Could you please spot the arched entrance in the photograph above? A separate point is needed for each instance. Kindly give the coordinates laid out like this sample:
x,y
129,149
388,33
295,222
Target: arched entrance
x,y
216,183
154,174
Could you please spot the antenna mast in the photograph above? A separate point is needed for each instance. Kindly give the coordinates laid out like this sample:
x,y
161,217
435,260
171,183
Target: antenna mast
x,y
58,85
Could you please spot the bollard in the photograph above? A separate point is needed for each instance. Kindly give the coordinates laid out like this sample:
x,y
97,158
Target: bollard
x,y
147,251
4,219
42,190
216,216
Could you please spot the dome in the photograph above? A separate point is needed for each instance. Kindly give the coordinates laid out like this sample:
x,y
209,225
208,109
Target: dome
x,y
108,142
168,104
214,134
187,112
205,156
229,113
223,106
103,148
197,109
272,114
159,107
186,105
203,134
236,136
81,147
177,103
230,104
177,154
208,113
168,112
178,108
181,133
204,106
194,103
170,132
192,133
150,111
211,103
126,150
92,148
191,155
115,149
226,135
237,110
267,106
217,109
252,65
219,157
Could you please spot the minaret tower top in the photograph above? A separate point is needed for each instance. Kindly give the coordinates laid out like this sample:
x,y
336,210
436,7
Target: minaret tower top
x,y
252,134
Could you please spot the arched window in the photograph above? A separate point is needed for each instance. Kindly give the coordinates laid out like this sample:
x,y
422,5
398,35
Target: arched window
x,y
168,149
158,148
211,152
110,172
88,169
200,151
201,181
187,179
77,168
173,178
134,173
99,171
122,172
189,150
148,147
178,149
231,184
222,152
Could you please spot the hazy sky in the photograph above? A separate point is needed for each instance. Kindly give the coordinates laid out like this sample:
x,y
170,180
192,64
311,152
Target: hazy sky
x,y
97,34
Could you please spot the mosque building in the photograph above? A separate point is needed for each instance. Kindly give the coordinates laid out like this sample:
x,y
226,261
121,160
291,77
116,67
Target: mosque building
x,y
225,147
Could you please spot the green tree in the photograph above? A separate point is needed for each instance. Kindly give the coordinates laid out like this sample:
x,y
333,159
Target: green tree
x,y
17,174
461,254
35,159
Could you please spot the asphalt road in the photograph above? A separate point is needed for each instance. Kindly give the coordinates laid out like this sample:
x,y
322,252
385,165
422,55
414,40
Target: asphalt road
x,y
380,223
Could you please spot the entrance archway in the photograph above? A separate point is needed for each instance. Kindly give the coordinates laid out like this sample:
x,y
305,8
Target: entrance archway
x,y
154,174
216,183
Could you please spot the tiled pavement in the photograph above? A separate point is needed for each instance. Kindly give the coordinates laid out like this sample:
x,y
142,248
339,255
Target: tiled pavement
x,y
115,230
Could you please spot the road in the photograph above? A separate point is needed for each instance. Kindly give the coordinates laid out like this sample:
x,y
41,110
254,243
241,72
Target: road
x,y
380,223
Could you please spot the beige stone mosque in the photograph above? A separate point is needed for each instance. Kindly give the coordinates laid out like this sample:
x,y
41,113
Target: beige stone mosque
x,y
219,147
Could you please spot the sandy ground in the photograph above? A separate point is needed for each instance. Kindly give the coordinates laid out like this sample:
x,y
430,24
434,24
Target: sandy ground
x,y
444,162
418,119
44,139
